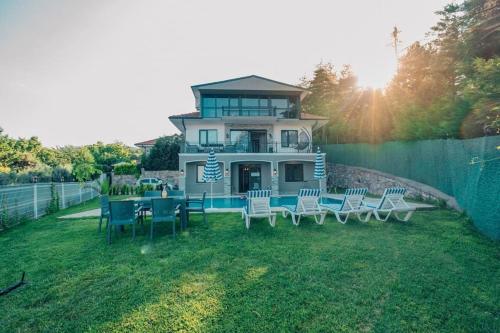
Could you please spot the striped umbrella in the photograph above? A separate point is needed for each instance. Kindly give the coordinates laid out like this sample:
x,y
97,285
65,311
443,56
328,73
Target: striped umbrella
x,y
211,173
319,167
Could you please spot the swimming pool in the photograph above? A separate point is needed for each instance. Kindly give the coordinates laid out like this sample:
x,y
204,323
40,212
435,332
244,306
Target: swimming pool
x,y
239,202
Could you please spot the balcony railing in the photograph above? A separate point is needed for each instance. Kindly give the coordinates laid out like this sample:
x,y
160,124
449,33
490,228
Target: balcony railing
x,y
250,147
249,111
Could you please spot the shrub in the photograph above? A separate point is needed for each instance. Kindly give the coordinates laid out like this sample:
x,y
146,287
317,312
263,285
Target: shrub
x,y
53,206
126,169
124,189
62,172
105,187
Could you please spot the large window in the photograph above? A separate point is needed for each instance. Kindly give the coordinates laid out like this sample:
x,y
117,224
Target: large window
x,y
215,106
200,168
208,137
289,138
294,173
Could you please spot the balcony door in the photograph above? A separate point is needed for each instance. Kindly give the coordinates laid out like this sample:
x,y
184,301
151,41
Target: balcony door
x,y
249,141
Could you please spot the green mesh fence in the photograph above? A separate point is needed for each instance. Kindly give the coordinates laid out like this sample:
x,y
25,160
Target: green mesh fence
x,y
443,164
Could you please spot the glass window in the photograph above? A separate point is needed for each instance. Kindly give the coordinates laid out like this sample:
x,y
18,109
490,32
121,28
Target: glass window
x,y
200,168
294,172
233,102
250,102
222,102
208,137
289,138
208,107
281,103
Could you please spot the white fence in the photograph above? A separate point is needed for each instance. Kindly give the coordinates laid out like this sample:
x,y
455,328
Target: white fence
x,y
32,200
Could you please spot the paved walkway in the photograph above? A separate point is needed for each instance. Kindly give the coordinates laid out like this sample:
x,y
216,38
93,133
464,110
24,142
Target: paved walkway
x,y
97,212
88,213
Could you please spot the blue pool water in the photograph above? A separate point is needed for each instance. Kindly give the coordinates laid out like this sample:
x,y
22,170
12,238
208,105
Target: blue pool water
x,y
238,202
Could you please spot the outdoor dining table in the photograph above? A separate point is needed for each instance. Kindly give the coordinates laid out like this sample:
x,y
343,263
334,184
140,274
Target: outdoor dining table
x,y
145,203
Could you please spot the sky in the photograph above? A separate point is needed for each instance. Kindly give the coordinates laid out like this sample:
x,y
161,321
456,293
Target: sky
x,y
77,72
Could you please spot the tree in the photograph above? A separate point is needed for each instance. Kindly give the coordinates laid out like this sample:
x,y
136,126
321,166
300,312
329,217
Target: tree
x,y
164,155
83,164
106,155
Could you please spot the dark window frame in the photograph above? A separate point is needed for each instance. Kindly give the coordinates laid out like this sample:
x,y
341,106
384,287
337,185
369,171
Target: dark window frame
x,y
207,136
286,143
291,175
198,180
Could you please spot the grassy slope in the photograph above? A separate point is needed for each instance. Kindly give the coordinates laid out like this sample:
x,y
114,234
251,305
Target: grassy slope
x,y
433,274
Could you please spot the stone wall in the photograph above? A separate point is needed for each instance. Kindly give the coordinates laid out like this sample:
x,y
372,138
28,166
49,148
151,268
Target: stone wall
x,y
345,176
169,176
123,179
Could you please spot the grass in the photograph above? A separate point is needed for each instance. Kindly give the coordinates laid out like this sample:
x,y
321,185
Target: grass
x,y
433,274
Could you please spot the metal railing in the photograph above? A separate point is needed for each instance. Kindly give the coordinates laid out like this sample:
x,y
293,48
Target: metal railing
x,y
249,111
254,147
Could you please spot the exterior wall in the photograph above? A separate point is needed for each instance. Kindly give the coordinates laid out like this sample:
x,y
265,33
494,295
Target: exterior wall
x,y
273,160
193,129
123,179
300,127
223,130
191,186
265,174
293,187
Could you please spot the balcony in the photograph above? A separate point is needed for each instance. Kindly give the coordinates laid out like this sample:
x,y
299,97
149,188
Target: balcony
x,y
250,148
250,111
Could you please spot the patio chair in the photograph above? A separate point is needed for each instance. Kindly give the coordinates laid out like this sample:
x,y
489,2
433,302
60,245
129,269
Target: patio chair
x,y
258,205
163,211
121,213
392,201
307,205
152,194
351,203
196,206
104,211
175,193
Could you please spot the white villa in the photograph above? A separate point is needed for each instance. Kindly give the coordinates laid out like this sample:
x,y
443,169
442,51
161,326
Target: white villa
x,y
256,127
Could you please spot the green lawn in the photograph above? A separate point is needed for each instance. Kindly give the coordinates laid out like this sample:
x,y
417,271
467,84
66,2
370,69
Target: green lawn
x,y
433,274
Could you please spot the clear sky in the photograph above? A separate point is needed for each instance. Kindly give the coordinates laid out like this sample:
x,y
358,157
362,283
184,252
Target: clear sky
x,y
75,72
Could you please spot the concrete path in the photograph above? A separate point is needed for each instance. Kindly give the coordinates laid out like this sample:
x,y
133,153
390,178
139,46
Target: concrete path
x,y
97,212
88,213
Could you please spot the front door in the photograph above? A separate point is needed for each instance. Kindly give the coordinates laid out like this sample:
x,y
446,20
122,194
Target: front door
x,y
250,177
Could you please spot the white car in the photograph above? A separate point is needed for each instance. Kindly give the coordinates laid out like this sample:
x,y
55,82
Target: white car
x,y
155,182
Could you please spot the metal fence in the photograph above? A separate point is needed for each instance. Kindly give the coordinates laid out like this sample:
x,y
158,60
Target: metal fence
x,y
32,200
468,170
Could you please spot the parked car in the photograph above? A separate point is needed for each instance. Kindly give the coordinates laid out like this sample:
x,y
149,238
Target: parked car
x,y
155,182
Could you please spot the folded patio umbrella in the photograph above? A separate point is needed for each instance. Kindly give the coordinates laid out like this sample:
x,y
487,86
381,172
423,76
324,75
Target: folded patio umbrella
x,y
211,173
319,167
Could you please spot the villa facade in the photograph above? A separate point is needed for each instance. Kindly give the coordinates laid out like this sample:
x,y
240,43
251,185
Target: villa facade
x,y
256,127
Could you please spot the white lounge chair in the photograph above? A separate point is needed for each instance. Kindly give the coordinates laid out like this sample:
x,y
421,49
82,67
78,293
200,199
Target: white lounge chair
x,y
307,205
352,203
392,201
258,205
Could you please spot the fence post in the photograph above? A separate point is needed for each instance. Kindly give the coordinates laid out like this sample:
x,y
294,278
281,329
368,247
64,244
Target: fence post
x,y
35,201
63,199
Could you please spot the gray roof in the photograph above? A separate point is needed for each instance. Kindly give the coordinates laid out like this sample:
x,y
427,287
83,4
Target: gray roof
x,y
250,83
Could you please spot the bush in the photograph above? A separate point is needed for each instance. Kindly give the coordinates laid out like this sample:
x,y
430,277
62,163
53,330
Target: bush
x,y
126,169
62,172
105,187
54,200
